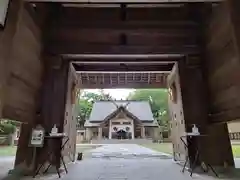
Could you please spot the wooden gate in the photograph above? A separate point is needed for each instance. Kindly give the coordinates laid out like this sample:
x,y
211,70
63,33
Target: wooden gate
x,y
70,115
177,123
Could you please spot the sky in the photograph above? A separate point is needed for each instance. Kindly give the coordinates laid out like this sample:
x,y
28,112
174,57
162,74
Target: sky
x,y
115,93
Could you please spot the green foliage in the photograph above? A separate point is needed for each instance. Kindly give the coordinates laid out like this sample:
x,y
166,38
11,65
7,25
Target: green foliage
x,y
85,104
158,99
7,127
84,108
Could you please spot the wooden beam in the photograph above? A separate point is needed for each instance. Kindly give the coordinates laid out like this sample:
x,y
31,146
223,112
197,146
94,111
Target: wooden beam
x,y
128,28
153,37
143,85
149,78
126,78
130,24
111,82
88,78
123,67
118,58
127,72
122,1
80,80
106,17
103,78
64,49
118,79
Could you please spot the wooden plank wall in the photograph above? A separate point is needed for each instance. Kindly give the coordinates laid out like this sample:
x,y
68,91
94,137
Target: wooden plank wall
x,y
24,70
21,70
124,31
6,38
223,66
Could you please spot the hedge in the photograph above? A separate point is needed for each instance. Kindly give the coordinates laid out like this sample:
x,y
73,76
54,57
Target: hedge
x,y
7,128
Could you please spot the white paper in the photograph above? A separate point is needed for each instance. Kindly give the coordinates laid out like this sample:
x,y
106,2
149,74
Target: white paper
x,y
37,137
3,11
193,134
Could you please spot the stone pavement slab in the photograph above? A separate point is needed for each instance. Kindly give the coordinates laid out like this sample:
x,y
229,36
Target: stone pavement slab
x,y
120,165
6,164
128,169
125,151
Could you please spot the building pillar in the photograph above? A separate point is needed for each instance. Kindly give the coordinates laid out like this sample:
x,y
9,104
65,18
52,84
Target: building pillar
x,y
88,134
133,134
100,133
156,133
110,130
143,132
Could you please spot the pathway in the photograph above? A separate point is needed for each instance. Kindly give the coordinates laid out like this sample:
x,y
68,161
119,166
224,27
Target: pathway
x,y
6,163
126,151
127,162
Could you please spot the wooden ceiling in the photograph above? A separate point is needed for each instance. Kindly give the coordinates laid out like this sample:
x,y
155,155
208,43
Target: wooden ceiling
x,y
123,1
123,29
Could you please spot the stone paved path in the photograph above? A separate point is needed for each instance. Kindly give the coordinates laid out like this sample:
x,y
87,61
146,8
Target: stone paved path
x,y
127,162
125,151
6,163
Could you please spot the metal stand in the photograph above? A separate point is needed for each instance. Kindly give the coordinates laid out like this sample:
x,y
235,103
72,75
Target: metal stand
x,y
196,157
53,153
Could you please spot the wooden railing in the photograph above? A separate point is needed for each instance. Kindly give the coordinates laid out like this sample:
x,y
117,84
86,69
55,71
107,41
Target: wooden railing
x,y
234,136
79,127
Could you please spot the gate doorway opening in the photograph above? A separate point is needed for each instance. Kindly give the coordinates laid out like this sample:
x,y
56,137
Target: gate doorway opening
x,y
129,117
136,113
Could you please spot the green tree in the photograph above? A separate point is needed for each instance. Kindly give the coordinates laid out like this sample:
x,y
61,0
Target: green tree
x,y
8,126
85,103
158,99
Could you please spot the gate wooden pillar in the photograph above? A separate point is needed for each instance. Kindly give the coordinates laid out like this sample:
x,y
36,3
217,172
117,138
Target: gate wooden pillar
x,y
233,9
20,74
216,147
70,122
53,100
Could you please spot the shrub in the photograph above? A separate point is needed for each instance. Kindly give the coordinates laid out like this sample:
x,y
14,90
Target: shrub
x,y
7,128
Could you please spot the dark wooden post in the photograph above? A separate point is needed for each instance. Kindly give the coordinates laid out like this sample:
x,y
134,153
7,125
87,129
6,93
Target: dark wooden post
x,y
196,111
233,10
7,41
53,99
